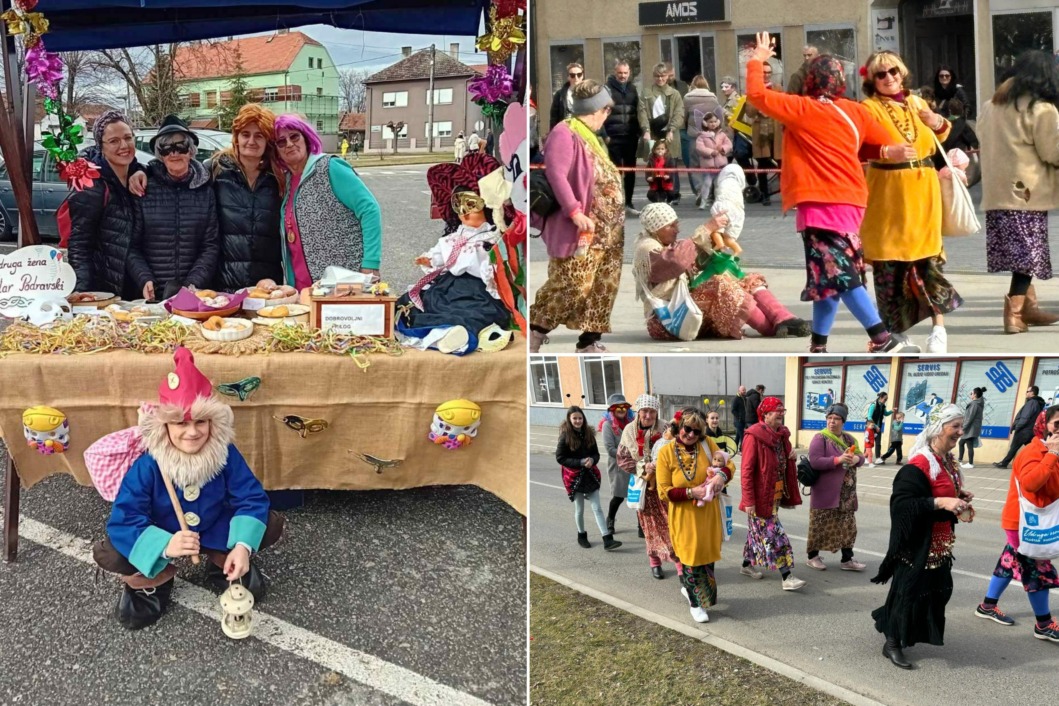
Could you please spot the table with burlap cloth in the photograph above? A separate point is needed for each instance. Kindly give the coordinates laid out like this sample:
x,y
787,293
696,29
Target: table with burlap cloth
x,y
384,410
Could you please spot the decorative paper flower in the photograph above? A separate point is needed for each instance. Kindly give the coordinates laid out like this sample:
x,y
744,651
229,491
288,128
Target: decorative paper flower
x,y
25,5
38,23
507,8
44,69
14,22
504,39
496,85
79,174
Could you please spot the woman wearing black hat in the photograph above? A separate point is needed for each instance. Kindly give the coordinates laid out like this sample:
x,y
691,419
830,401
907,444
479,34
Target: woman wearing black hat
x,y
833,501
178,243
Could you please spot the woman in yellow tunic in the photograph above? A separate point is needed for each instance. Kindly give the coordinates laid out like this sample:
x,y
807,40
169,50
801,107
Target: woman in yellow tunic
x,y
901,232
684,476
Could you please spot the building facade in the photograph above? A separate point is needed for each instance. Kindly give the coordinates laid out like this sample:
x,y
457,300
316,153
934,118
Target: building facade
x,y
286,73
401,94
978,39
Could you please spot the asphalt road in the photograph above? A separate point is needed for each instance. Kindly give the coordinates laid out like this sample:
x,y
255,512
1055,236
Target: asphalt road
x,y
825,629
407,229
420,593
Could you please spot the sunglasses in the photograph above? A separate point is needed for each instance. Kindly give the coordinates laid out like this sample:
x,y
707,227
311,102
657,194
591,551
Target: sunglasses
x,y
292,139
302,425
892,71
181,147
691,430
944,75
578,75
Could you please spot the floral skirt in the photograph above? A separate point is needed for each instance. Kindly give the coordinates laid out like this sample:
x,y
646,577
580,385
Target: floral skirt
x,y
834,263
1017,241
767,543
654,520
726,305
1035,574
831,530
701,584
909,292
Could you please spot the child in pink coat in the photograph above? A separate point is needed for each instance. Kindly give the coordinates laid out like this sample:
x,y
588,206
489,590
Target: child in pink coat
x,y
713,146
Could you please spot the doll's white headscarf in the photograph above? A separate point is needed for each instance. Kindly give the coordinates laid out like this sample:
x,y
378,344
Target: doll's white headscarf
x,y
939,416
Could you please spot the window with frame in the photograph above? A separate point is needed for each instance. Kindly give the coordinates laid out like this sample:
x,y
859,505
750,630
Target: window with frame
x,y
319,90
442,96
925,384
601,378
561,55
387,132
1015,32
319,125
544,380
211,99
271,95
745,44
1046,377
395,99
310,62
1000,378
628,51
690,55
856,383
191,100
841,43
443,129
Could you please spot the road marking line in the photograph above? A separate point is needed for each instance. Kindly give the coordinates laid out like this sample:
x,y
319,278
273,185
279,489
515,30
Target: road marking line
x,y
358,666
704,635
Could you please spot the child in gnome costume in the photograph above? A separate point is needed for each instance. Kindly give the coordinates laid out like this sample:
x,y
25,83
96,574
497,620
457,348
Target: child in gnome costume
x,y
189,437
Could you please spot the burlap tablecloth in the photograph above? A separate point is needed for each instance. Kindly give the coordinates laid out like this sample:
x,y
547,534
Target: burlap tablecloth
x,y
384,410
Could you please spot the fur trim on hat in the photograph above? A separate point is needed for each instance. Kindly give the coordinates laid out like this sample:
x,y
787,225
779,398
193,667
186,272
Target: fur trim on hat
x,y
190,469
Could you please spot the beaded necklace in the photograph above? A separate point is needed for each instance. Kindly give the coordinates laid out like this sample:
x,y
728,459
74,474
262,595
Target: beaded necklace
x,y
909,130
693,457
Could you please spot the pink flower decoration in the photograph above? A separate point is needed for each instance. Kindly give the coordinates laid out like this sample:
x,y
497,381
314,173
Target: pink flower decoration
x,y
45,69
79,174
507,8
496,85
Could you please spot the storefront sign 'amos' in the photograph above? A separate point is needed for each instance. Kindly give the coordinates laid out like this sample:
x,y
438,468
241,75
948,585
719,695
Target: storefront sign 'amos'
x,y
668,13
33,273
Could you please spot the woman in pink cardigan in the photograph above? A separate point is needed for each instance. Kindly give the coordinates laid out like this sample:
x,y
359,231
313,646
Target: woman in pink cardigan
x,y
586,236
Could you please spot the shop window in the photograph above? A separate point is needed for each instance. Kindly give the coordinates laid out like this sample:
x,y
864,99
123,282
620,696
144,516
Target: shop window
x,y
1016,32
1000,378
821,387
561,55
841,43
602,378
924,385
623,50
691,55
863,385
1046,378
745,44
544,380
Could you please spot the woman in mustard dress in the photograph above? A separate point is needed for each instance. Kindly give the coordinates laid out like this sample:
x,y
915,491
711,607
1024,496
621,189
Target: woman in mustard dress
x,y
901,232
684,477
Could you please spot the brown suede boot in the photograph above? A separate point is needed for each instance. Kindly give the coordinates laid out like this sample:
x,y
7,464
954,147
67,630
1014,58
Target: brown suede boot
x,y
1013,308
1032,315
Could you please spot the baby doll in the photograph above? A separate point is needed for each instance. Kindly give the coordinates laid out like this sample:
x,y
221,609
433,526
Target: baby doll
x,y
729,200
188,438
717,465
713,147
659,176
869,442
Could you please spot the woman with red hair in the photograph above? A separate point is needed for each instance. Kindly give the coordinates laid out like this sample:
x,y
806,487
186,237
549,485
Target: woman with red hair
x,y
247,182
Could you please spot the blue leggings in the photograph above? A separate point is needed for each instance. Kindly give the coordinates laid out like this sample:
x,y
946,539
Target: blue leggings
x,y
856,300
579,511
1038,599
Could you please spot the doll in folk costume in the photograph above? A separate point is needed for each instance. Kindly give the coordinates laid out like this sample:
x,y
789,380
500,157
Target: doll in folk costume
x,y
189,437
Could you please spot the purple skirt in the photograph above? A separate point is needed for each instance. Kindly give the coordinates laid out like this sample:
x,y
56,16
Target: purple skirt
x,y
1017,241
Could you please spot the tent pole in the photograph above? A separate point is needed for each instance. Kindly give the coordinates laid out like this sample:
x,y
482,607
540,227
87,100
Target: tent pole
x,y
18,160
12,491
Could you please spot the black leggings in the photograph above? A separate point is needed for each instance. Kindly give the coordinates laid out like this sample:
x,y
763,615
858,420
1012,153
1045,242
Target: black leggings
x,y
969,445
1020,284
894,446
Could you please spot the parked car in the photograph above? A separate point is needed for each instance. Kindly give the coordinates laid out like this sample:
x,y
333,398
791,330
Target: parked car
x,y
49,191
210,141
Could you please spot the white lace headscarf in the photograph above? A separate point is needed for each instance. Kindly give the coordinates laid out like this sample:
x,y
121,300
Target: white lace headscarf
x,y
938,417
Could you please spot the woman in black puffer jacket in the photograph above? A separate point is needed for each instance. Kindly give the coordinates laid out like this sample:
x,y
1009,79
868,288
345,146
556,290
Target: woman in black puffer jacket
x,y
178,243
248,202
104,216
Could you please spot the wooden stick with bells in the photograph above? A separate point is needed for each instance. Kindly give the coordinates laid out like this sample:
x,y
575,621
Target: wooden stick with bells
x,y
178,510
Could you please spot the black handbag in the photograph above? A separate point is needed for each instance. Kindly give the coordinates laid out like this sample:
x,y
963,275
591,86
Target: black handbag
x,y
542,198
807,475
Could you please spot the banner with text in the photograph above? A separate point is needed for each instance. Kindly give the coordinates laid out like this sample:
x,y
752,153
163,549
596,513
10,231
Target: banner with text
x,y
923,386
820,388
1000,378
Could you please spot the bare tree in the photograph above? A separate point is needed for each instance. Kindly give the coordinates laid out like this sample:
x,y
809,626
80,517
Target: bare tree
x,y
354,93
85,82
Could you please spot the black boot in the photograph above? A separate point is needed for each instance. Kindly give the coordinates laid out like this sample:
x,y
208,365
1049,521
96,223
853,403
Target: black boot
x,y
610,525
254,581
893,652
215,575
609,544
657,572
582,539
139,608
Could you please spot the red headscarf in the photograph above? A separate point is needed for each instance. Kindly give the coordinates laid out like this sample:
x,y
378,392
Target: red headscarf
x,y
769,404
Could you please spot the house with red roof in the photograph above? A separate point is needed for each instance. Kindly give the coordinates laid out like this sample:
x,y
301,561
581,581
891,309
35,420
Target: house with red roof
x,y
400,93
287,72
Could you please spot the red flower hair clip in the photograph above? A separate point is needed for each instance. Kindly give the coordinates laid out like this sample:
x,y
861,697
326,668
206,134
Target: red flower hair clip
x,y
863,72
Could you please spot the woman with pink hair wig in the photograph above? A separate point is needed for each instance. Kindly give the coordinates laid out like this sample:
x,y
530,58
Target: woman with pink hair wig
x,y
330,217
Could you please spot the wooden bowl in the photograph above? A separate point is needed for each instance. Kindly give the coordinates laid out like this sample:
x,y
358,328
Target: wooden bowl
x,y
203,315
106,299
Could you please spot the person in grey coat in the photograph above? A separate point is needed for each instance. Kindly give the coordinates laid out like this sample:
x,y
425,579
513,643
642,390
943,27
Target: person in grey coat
x,y
972,426
1022,427
619,414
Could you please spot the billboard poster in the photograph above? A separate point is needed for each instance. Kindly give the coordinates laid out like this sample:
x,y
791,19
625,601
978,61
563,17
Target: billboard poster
x,y
863,385
820,388
923,386
1000,378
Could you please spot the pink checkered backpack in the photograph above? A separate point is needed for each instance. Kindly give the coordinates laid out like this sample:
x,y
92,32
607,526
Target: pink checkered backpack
x,y
111,457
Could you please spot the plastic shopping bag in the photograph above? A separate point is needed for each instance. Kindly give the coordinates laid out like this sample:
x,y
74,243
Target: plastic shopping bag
x,y
1038,529
726,516
681,317
634,498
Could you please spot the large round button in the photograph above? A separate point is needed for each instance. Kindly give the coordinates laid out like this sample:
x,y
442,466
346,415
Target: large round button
x,y
192,519
191,493
173,380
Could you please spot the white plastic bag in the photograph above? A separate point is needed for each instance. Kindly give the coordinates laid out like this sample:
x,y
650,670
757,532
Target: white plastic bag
x,y
681,317
726,516
634,498
1038,529
957,209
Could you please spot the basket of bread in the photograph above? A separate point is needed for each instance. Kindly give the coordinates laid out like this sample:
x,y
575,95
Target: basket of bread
x,y
217,328
268,293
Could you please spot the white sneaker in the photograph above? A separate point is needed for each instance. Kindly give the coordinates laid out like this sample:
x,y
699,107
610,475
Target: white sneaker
x,y
938,340
792,583
684,592
966,465
699,615
629,210
749,571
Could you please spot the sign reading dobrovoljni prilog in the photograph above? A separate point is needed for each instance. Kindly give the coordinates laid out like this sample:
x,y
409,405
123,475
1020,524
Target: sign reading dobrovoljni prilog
x,y
669,13
31,274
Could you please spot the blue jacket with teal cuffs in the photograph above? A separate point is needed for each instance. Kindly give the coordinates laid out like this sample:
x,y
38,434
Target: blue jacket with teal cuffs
x,y
230,508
